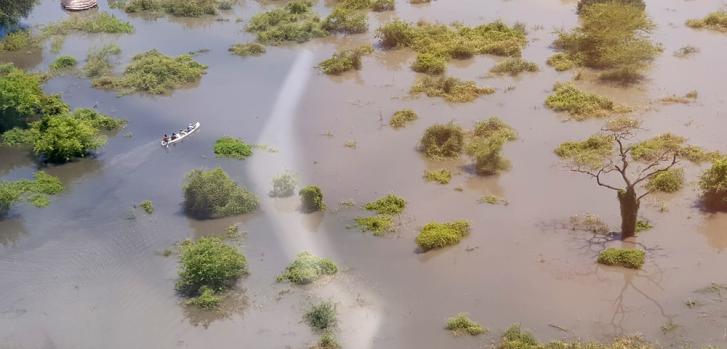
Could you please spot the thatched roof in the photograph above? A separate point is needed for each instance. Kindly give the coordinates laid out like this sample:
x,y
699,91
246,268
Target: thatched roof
x,y
77,5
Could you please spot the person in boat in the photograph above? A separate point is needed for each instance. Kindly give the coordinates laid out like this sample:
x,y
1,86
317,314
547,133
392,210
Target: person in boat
x,y
174,136
165,139
190,127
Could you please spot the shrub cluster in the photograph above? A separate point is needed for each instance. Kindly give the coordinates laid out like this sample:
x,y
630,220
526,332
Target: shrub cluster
x,y
97,23
295,22
312,199
62,63
514,66
345,20
443,141
450,88
441,176
283,185
212,194
561,61
307,268
517,338
462,324
714,21
230,147
713,184
402,117
385,208
488,138
98,62
249,49
383,5
147,206
23,100
327,341
636,3
18,40
181,8
438,235
378,224
208,266
35,191
623,257
579,104
321,316
390,204
345,60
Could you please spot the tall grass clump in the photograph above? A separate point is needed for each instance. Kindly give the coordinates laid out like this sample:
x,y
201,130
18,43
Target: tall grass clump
x,y
345,20
450,88
714,21
18,40
212,194
438,235
430,63
613,36
389,204
307,268
623,257
383,5
208,266
713,185
96,23
462,324
345,60
441,176
561,62
35,191
181,8
485,146
230,147
383,221
321,316
283,185
402,117
155,73
636,3
294,22
327,341
63,63
312,199
580,105
249,49
443,141
514,66
98,62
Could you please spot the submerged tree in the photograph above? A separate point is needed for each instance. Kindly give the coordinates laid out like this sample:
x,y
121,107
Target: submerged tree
x,y
12,11
609,154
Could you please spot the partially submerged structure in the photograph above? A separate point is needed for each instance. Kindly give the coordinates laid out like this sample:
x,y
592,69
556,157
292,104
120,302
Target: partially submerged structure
x,y
78,5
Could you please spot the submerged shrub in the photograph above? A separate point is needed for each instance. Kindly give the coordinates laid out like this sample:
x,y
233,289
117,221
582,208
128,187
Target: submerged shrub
x,y
63,62
517,338
488,138
182,8
97,23
686,51
295,21
377,224
212,194
451,89
623,257
35,191
669,181
514,66
97,120
443,141
249,49
327,341
17,137
312,199
307,268
98,61
207,299
230,147
283,185
22,98
714,21
147,206
345,60
208,263
441,176
643,225
156,73
60,138
561,61
18,40
439,235
321,316
346,20
713,184
580,105
429,63
390,204
402,117
461,324
382,5
636,3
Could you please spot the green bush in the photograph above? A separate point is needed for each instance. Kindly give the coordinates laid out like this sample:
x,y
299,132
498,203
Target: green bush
x,y
377,224
514,66
17,137
517,338
561,61
429,63
307,268
97,23
17,40
713,184
461,324
63,62
22,98
60,138
155,73
208,264
383,5
207,299
580,105
443,141
669,181
714,21
396,34
232,148
390,204
321,316
623,257
488,138
402,117
312,199
212,194
249,49
283,185
295,22
345,60
441,176
147,206
346,21
438,235
451,89
35,191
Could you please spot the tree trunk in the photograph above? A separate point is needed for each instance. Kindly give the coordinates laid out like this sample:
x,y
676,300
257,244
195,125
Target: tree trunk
x,y
629,212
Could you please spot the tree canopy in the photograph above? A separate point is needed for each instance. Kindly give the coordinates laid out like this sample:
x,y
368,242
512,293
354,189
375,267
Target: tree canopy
x,y
22,98
12,11
212,194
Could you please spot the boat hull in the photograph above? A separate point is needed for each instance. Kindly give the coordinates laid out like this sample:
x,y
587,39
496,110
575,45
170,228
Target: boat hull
x,y
179,139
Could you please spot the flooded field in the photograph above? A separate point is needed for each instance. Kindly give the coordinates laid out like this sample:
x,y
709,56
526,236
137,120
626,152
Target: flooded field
x,y
89,271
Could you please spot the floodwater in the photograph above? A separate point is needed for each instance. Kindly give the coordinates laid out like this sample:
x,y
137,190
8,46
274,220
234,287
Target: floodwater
x,y
88,271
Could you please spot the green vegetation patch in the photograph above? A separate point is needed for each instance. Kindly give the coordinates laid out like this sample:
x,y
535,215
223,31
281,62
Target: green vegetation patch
x,y
485,146
16,137
441,176
312,199
63,63
383,5
35,191
181,8
429,63
714,21
322,316
60,138
230,147
589,153
208,266
283,185
517,338
390,204
561,61
443,141
248,49
402,117
514,66
98,63
155,73
212,194
462,324
438,235
668,181
147,206
22,99
345,60
579,104
307,268
622,257
383,222
295,22
643,225
451,89
377,224
713,184
344,20
327,341
18,40
97,23
207,299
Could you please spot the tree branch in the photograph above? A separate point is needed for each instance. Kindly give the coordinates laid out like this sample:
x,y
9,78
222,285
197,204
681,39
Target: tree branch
x,y
674,161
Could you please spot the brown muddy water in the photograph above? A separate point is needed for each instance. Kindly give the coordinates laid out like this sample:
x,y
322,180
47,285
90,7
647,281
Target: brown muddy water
x,y
87,272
